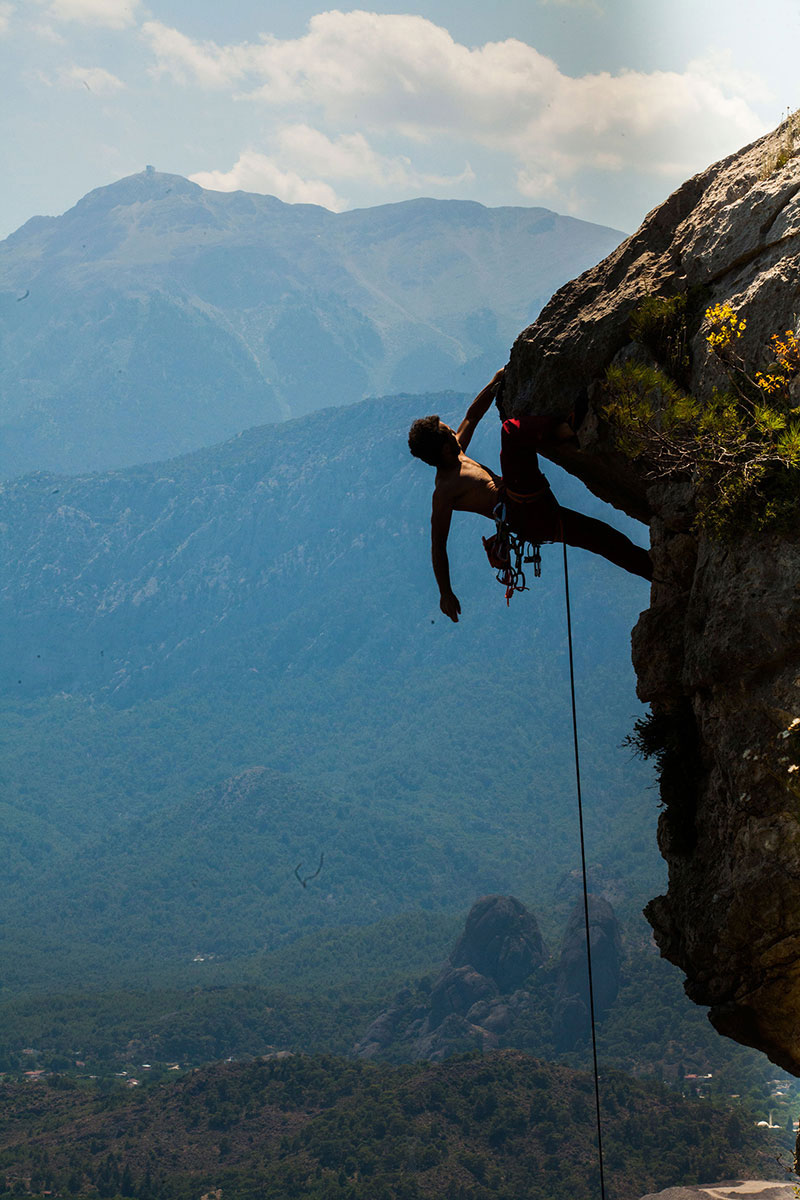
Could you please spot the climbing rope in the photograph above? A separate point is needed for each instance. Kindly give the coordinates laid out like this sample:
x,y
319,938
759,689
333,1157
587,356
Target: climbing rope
x,y
583,868
506,553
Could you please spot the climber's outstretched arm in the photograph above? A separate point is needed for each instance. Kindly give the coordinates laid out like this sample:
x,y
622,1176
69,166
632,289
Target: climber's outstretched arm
x,y
478,409
440,527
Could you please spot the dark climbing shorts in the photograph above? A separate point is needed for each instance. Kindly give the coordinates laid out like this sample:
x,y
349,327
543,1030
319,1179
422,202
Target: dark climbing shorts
x,y
534,514
531,508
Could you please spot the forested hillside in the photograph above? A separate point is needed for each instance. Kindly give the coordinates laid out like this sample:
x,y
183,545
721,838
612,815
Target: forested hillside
x,y
222,666
509,1128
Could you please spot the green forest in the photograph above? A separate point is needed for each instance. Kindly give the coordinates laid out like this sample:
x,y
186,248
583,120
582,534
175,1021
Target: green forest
x,y
504,1128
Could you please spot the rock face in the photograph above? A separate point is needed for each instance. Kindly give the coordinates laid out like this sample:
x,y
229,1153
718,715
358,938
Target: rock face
x,y
476,995
571,1017
502,940
718,652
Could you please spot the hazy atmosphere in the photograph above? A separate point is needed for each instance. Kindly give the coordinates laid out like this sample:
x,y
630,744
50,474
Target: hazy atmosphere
x,y
595,108
295,896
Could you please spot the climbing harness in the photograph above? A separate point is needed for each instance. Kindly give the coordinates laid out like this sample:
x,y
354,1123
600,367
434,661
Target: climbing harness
x,y
506,551
583,868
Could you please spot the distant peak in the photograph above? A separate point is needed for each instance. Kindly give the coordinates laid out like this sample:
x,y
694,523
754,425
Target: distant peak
x,y
148,184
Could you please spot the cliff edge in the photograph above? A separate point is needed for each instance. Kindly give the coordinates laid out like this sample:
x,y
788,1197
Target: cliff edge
x,y
717,654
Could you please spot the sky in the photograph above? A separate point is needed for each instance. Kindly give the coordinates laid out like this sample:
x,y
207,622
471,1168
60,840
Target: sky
x,y
594,108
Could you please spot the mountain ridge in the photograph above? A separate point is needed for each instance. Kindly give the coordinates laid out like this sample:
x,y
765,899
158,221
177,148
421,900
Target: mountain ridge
x,y
155,317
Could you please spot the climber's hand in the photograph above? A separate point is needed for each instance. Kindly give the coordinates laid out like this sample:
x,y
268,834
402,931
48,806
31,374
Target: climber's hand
x,y
450,605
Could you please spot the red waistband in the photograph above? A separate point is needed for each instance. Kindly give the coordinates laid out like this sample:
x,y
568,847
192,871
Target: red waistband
x,y
526,497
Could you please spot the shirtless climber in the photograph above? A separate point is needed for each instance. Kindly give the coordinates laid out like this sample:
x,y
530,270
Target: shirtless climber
x,y
532,511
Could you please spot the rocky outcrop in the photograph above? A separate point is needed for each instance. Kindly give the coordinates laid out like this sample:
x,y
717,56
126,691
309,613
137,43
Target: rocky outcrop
x,y
718,652
571,1015
476,996
501,940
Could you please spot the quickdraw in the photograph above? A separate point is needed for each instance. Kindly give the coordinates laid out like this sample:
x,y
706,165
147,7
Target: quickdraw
x,y
507,553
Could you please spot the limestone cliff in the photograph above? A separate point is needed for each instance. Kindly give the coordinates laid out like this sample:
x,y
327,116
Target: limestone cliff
x,y
718,652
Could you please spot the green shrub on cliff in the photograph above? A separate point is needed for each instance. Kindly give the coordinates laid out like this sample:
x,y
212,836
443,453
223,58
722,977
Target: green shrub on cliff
x,y
662,325
740,446
778,156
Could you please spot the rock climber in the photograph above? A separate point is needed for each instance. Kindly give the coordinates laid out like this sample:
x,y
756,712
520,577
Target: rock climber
x,y
531,509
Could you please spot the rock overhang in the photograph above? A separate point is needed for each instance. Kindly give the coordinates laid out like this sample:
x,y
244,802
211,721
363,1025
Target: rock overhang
x,y
717,653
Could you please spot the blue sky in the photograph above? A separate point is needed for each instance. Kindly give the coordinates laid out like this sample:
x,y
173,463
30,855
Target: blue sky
x,y
596,108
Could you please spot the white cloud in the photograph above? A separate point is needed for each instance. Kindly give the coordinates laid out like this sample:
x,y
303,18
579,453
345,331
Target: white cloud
x,y
47,33
402,74
718,67
662,122
350,157
94,79
206,63
347,157
304,159
6,11
254,172
361,64
113,14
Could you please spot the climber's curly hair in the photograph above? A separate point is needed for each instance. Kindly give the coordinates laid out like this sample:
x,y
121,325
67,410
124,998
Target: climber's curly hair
x,y
426,439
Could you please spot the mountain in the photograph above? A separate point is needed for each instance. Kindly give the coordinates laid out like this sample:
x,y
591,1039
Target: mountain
x,y
686,343
244,643
154,317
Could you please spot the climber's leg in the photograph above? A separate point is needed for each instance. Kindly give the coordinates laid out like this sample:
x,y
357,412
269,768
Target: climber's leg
x,y
590,534
520,438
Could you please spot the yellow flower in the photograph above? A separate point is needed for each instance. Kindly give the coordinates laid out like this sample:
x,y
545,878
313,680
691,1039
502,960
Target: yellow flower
x,y
787,351
724,326
769,383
